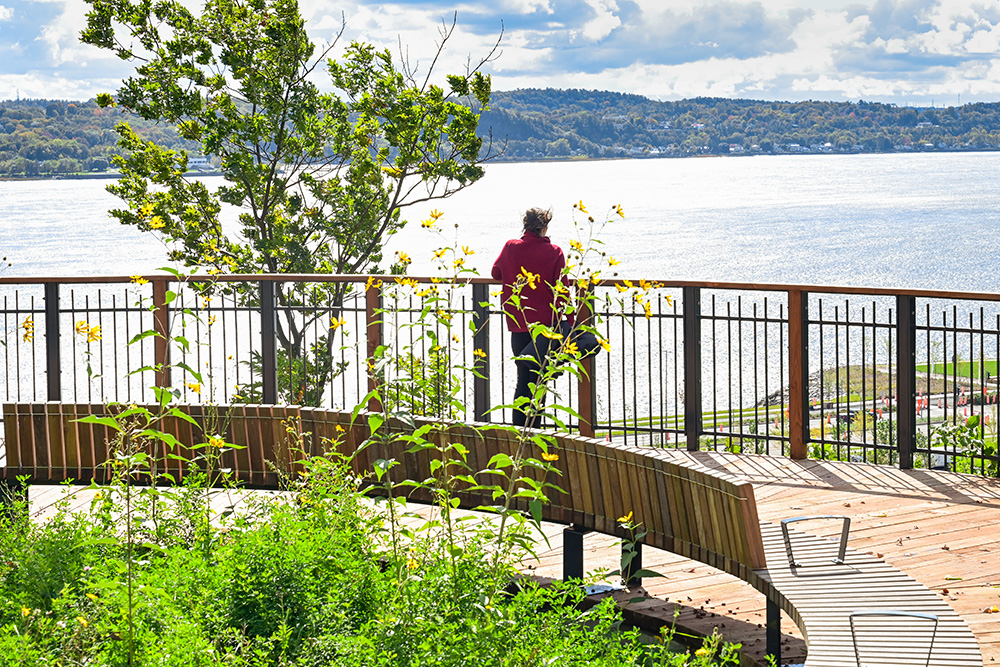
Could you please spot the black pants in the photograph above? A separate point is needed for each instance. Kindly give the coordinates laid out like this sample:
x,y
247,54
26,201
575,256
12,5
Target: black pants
x,y
528,373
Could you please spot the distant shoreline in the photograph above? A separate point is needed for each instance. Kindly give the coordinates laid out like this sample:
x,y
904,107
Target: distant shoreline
x,y
107,175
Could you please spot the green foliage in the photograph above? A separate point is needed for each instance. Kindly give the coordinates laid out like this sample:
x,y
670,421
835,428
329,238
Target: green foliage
x,y
553,123
318,180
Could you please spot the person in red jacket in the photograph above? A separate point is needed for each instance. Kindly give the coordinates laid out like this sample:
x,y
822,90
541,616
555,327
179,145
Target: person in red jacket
x,y
539,265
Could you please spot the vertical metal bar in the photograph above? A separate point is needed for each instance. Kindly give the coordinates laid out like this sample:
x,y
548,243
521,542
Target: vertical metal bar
x,y
798,373
53,365
586,390
161,325
268,344
692,367
573,552
481,343
773,631
906,360
373,319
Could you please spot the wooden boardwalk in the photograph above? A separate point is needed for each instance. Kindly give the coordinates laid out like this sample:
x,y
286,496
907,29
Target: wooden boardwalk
x,y
942,529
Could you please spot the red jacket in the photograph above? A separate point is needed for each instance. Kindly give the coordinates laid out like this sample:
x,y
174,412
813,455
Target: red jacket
x,y
543,258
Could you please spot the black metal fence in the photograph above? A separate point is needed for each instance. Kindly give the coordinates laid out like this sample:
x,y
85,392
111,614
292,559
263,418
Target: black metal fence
x,y
906,378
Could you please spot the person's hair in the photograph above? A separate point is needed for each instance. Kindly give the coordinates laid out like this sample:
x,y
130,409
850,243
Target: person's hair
x,y
536,219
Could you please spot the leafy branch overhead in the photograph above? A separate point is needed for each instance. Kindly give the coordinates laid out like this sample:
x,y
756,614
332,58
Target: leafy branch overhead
x,y
319,178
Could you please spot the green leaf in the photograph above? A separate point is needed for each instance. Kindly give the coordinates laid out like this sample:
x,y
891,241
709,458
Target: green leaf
x,y
161,436
104,421
375,421
140,336
500,460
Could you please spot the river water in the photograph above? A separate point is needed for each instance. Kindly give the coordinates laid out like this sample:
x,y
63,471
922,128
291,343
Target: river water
x,y
922,220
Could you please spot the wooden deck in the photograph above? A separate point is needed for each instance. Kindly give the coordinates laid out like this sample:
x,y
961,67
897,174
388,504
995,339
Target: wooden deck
x,y
942,529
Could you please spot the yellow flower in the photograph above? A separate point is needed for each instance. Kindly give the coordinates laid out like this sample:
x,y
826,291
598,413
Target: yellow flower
x,y
546,456
621,288
648,309
94,334
532,278
146,210
404,258
605,344
214,272
479,353
702,653
81,620
443,315
576,245
580,207
626,518
81,327
412,564
455,338
571,348
645,285
436,214
460,262
215,441
25,611
548,333
194,386
91,596
467,250
211,320
612,261
336,324
371,281
139,280
406,282
340,429
156,222
619,211
29,329
427,224
627,283
438,254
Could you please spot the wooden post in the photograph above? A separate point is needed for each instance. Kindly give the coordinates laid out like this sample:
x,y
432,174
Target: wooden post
x,y
906,369
53,364
161,325
268,344
586,390
692,367
481,341
373,317
798,373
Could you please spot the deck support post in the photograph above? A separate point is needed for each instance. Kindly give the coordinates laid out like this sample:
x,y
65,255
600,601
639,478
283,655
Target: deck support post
x,y
798,373
481,342
633,565
373,334
906,370
573,552
268,343
692,367
53,365
774,631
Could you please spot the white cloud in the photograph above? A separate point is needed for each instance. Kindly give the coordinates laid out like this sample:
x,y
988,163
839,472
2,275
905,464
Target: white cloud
x,y
6,13
601,25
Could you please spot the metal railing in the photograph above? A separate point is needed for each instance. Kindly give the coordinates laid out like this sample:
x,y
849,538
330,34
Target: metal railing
x,y
901,377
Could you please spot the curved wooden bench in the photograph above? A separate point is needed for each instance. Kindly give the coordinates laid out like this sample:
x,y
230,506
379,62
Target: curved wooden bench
x,y
702,514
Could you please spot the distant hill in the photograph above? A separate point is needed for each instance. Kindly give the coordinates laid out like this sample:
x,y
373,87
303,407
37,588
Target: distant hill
x,y
56,137
548,123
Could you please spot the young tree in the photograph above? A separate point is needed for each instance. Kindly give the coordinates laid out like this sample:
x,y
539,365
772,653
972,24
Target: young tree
x,y
319,179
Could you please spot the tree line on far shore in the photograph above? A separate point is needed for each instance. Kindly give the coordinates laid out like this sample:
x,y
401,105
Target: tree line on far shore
x,y
57,137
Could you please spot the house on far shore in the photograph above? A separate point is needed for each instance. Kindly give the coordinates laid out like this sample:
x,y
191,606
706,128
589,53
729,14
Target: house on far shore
x,y
199,163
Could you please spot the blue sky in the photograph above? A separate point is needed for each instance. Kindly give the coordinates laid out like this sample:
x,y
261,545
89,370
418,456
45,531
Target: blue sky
x,y
915,52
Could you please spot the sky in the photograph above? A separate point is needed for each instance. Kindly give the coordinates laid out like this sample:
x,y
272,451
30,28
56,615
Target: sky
x,y
905,52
